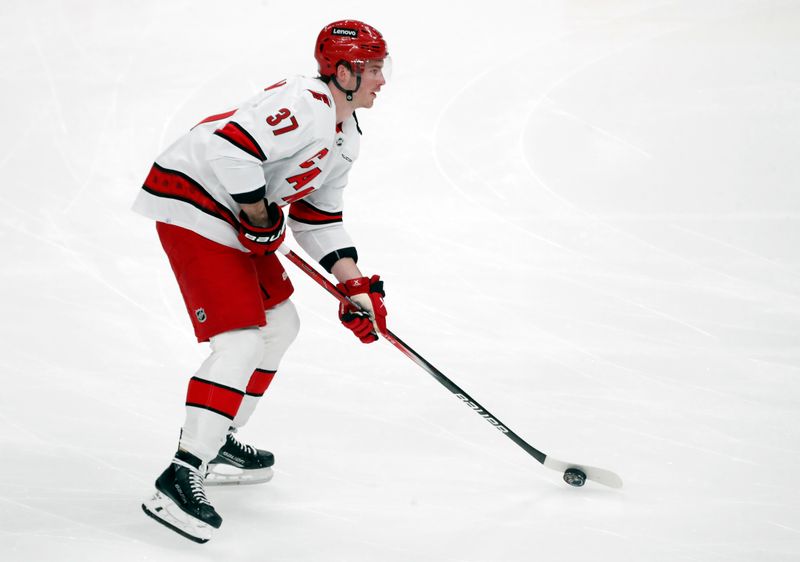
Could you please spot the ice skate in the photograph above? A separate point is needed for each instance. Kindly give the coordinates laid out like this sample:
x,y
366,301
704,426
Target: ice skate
x,y
180,501
239,464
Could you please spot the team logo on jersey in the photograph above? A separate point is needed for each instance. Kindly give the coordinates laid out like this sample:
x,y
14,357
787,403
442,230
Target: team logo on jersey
x,y
339,141
200,314
345,31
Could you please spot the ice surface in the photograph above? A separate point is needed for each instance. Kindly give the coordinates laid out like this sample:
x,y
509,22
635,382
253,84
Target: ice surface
x,y
586,213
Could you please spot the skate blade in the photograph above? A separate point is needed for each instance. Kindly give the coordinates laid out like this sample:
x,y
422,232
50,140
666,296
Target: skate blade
x,y
227,475
165,511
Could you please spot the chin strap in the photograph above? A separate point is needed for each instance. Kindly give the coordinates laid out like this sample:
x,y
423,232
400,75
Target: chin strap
x,y
348,93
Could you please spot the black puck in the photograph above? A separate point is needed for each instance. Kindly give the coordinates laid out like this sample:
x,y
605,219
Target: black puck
x,y
575,477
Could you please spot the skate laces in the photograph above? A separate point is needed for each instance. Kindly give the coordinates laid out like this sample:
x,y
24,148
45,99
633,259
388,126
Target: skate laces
x,y
196,481
248,449
197,487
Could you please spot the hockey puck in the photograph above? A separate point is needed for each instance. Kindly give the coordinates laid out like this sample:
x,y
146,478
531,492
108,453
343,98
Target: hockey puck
x,y
574,477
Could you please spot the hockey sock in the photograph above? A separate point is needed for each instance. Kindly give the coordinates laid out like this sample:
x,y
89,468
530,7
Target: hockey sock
x,y
216,391
279,333
259,382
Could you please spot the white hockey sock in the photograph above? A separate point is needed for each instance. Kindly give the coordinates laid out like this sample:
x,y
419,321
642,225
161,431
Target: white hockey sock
x,y
216,391
279,333
256,388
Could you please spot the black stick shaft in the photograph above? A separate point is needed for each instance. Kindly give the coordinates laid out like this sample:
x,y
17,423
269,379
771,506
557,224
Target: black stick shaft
x,y
421,361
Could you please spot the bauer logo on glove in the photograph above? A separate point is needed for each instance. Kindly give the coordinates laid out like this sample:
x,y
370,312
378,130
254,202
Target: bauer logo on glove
x,y
262,240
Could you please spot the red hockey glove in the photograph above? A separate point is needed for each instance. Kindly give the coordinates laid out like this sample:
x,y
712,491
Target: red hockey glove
x,y
358,322
262,240
368,294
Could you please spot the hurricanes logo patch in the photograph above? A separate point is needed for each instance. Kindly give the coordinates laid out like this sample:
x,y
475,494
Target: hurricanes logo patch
x,y
344,31
200,314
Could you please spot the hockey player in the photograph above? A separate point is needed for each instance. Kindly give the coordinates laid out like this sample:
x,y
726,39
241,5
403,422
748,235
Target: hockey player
x,y
219,196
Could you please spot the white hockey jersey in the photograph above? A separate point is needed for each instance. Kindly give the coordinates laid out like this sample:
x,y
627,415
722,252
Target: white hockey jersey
x,y
283,144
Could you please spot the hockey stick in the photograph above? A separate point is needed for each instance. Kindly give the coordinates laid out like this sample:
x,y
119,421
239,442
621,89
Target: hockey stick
x,y
574,474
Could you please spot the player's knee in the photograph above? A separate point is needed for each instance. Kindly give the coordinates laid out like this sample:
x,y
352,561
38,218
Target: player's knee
x,y
292,323
243,346
283,325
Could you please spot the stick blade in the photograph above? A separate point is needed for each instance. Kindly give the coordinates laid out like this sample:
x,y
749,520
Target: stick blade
x,y
593,473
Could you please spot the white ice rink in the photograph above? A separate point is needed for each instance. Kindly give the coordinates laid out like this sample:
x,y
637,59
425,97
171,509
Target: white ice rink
x,y
586,213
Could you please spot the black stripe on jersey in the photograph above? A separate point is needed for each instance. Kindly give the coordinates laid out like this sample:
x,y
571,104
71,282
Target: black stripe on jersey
x,y
358,128
158,183
250,197
241,139
185,200
328,261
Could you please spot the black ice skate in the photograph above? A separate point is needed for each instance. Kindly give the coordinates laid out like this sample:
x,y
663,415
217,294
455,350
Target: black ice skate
x,y
239,464
180,501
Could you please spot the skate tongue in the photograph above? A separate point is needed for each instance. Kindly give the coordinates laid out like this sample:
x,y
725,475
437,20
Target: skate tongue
x,y
187,459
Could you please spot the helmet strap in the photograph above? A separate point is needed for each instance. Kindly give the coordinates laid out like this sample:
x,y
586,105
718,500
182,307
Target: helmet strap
x,y
348,93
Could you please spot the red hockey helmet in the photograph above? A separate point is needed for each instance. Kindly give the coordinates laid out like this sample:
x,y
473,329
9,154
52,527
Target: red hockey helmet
x,y
351,41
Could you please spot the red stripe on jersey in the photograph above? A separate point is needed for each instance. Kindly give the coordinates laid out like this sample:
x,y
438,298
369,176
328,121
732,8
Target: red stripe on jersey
x,y
321,97
275,85
299,195
304,212
217,117
176,185
259,382
238,137
223,400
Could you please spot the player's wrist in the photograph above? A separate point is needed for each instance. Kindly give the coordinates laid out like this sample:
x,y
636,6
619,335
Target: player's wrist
x,y
345,269
255,214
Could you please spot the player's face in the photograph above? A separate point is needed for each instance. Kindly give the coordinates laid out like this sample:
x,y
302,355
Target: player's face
x,y
372,80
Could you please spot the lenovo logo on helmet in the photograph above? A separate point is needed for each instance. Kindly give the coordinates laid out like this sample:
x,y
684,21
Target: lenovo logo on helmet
x,y
344,31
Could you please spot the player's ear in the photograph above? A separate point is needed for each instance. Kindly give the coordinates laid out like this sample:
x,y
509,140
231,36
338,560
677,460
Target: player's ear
x,y
343,73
